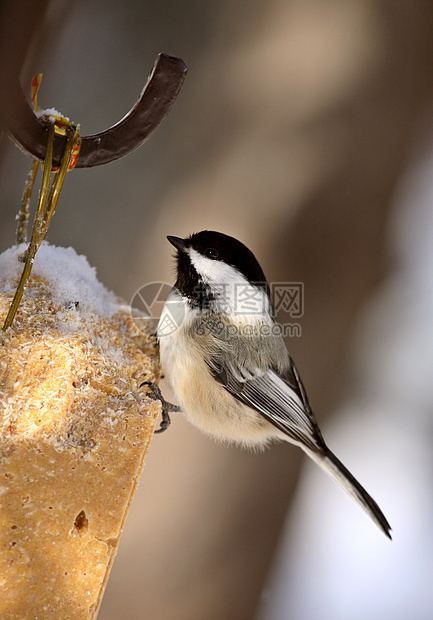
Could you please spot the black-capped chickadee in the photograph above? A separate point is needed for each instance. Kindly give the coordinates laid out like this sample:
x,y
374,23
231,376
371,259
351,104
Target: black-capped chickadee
x,y
225,359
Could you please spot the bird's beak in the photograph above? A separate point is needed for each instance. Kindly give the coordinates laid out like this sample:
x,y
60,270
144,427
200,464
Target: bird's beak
x,y
178,243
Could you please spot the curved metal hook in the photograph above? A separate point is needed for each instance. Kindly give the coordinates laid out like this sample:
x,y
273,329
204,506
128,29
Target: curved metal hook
x,y
155,102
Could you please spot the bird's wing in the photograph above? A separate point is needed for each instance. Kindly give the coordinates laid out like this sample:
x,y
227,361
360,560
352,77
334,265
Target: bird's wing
x,y
280,398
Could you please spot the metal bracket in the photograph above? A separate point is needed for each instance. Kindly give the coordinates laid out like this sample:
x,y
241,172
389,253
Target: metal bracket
x,y
155,102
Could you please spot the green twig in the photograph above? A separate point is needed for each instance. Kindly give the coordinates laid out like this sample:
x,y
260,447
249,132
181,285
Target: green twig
x,y
57,184
24,212
48,199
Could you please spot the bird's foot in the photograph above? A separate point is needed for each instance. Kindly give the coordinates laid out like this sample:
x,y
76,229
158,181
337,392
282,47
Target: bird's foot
x,y
167,408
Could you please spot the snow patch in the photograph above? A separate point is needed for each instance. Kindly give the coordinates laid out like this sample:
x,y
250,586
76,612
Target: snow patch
x,y
70,277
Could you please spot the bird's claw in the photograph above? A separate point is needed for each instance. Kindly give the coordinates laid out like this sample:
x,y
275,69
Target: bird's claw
x,y
155,394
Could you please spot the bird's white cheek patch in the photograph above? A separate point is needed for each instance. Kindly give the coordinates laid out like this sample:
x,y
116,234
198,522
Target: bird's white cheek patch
x,y
214,271
233,293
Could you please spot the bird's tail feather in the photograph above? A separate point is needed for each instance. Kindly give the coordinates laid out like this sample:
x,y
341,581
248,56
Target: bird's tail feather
x,y
342,476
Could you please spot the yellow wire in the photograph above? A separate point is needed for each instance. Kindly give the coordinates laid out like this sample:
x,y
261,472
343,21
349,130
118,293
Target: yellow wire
x,y
46,206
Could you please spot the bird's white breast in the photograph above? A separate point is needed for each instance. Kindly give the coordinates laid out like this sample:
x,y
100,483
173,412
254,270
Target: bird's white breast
x,y
206,403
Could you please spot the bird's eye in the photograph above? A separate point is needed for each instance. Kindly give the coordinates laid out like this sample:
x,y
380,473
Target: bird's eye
x,y
211,253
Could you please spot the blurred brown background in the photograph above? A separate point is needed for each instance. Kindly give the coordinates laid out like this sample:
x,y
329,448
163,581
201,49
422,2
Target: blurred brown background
x,y
293,128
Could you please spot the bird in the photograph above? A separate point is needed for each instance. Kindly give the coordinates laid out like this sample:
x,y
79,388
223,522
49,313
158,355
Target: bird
x,y
224,357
